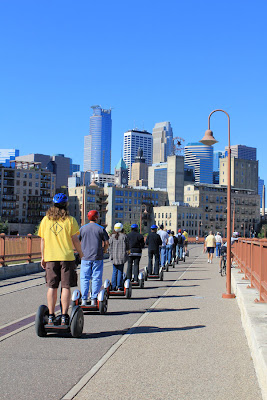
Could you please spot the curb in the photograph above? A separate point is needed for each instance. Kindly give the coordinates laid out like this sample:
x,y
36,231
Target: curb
x,y
254,321
12,271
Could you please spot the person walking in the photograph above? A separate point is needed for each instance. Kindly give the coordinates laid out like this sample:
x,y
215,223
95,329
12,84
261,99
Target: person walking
x,y
59,233
219,243
164,238
94,243
153,242
118,250
136,244
210,244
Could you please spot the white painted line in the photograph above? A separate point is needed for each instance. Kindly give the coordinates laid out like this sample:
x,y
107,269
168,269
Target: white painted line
x,y
86,378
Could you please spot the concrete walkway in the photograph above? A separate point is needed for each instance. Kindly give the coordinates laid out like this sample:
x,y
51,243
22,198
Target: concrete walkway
x,y
190,346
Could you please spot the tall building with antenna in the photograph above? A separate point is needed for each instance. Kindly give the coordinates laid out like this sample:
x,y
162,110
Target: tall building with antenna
x,y
97,145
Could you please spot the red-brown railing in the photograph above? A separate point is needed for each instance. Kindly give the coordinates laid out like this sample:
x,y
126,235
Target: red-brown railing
x,y
19,248
251,257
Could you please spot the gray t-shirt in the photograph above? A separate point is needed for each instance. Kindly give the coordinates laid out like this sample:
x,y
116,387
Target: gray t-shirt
x,y
92,237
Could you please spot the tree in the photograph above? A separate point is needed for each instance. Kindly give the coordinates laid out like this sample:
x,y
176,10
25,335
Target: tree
x,y
3,226
127,228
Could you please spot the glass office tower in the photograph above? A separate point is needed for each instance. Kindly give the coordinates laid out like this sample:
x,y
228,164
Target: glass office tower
x,y
200,157
97,145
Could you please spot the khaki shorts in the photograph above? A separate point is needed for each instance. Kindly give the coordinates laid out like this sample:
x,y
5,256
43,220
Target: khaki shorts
x,y
61,271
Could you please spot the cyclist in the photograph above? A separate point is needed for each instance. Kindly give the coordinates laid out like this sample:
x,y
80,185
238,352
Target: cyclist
x,y
136,244
186,240
94,242
219,243
164,238
180,244
154,242
59,233
224,249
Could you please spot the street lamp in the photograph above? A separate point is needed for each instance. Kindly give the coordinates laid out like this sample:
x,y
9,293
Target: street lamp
x,y
209,140
84,194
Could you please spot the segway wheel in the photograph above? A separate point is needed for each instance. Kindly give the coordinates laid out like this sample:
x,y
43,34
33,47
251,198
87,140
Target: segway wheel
x,y
128,293
167,267
41,320
141,283
184,258
146,273
161,276
103,305
76,325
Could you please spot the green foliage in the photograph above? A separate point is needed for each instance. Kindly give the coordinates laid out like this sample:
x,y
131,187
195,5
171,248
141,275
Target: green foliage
x,y
36,229
3,226
127,228
263,232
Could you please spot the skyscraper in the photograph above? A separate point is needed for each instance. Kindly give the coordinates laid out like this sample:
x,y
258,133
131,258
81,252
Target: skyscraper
x,y
200,157
162,142
244,152
97,145
7,155
133,139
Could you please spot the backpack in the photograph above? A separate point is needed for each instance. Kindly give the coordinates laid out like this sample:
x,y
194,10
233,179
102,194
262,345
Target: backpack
x,y
180,239
175,240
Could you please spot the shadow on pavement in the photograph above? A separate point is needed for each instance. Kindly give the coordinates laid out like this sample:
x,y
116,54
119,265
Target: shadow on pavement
x,y
139,330
159,296
155,310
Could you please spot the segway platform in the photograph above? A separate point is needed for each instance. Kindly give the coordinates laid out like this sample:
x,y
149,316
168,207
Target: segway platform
x,y
141,280
154,276
127,288
101,304
75,326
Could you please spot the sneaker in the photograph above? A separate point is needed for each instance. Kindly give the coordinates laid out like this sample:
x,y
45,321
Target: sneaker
x,y
51,319
84,302
220,271
93,302
208,261
65,319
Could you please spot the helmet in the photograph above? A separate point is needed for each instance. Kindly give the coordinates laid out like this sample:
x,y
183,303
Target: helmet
x,y
154,227
60,198
134,226
118,227
93,215
161,226
172,232
168,231
179,231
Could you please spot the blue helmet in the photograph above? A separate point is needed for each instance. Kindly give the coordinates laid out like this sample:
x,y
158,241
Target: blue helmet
x,y
134,226
154,227
168,231
60,198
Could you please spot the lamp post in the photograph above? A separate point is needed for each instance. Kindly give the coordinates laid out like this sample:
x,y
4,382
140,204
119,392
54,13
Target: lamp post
x,y
83,202
209,140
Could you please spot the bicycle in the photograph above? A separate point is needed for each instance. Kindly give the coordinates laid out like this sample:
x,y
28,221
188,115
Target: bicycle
x,y
223,268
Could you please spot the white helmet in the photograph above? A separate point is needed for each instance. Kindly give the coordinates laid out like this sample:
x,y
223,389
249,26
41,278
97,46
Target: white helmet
x,y
118,227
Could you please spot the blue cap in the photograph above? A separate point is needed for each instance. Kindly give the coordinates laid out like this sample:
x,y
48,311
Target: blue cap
x,y
154,227
134,226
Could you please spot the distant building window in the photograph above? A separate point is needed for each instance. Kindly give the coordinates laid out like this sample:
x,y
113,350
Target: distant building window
x,y
91,199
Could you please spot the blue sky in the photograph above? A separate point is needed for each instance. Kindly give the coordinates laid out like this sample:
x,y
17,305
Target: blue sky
x,y
151,61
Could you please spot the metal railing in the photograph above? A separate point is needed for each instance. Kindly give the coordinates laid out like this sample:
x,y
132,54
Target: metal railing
x,y
19,248
251,257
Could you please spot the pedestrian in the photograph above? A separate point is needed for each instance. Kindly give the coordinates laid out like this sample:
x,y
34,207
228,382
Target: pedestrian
x,y
118,250
153,242
164,238
94,242
210,244
219,243
136,244
59,234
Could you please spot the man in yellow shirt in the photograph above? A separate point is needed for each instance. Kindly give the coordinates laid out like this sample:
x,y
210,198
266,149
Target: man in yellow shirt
x,y
59,233
210,244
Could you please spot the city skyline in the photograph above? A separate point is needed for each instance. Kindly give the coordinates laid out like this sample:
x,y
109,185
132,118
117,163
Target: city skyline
x,y
50,78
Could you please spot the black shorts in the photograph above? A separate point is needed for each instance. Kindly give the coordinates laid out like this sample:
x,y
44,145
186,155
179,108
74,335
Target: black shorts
x,y
61,271
210,250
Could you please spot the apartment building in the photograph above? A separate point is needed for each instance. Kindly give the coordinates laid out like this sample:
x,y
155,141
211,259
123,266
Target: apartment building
x,y
244,173
176,217
213,200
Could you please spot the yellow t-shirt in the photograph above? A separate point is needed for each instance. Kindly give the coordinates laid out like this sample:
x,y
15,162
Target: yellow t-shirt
x,y
210,241
57,238
185,235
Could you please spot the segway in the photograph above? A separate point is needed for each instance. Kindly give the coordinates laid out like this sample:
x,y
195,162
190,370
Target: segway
x,y
127,288
166,266
141,280
75,326
101,304
159,276
173,262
